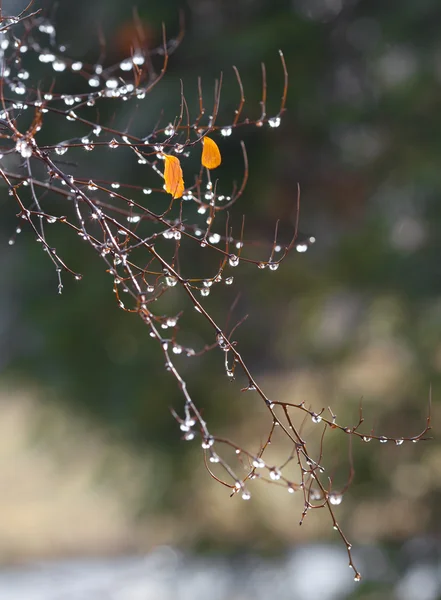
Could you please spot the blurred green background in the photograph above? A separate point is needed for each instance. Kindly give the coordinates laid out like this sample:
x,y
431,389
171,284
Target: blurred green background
x,y
85,398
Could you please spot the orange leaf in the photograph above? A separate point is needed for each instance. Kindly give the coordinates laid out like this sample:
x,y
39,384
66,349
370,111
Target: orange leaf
x,y
211,156
174,181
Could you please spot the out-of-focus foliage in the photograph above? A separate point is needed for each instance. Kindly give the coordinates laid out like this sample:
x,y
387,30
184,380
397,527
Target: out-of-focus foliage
x,y
357,316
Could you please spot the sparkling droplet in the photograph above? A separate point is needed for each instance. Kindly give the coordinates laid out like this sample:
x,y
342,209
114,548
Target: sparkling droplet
x,y
399,442
126,65
233,260
214,238
94,81
316,418
59,65
275,474
171,281
207,443
23,148
335,498
46,57
274,122
112,84
87,144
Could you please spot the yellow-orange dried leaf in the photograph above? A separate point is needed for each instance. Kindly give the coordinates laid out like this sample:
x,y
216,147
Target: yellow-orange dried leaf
x,y
174,181
211,156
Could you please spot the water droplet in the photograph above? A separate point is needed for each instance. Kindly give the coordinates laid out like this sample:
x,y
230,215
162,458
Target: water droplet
x,y
207,443
23,148
113,144
301,247
112,83
366,439
214,238
357,577
58,65
138,58
246,496
233,260
316,418
335,498
383,440
226,131
94,81
399,442
171,281
87,144
273,266
46,28
126,65
258,463
19,88
76,66
274,122
205,292
229,280
275,474
189,436
46,57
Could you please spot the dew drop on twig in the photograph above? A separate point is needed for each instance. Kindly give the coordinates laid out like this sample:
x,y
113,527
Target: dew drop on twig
x,y
335,498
